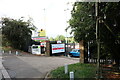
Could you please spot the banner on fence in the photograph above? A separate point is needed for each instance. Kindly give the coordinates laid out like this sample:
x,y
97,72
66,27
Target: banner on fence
x,y
58,48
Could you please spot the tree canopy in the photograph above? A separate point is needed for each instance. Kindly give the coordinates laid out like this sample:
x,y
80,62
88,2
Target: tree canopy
x,y
17,32
60,37
83,21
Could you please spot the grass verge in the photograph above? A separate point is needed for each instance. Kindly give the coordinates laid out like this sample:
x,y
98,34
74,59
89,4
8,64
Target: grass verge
x,y
80,71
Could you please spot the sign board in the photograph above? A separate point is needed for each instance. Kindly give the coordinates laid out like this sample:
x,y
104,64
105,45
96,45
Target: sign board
x,y
39,38
42,33
36,49
58,48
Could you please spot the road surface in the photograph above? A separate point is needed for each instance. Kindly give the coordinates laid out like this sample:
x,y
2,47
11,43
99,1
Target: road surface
x,y
32,66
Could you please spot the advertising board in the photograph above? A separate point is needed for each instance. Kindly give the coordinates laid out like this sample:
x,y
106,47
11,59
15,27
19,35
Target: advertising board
x,y
58,48
42,33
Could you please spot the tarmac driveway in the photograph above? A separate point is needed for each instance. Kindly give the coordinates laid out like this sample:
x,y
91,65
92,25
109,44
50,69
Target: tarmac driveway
x,y
31,66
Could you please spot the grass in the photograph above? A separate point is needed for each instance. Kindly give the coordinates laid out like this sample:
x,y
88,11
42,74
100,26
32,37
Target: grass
x,y
80,71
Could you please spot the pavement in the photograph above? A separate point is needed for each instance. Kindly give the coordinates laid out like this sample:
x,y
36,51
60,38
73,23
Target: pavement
x,y
32,66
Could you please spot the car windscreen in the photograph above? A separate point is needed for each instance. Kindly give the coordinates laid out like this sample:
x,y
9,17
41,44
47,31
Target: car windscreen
x,y
74,50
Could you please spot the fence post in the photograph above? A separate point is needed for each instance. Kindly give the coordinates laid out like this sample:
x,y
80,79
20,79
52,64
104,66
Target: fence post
x,y
3,51
66,68
71,75
9,52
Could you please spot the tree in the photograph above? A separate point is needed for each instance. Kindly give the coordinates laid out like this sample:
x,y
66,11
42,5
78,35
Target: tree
x,y
18,32
60,37
82,24
110,28
51,39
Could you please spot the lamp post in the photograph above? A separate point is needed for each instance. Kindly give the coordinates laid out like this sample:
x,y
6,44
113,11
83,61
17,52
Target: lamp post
x,y
66,44
97,39
66,30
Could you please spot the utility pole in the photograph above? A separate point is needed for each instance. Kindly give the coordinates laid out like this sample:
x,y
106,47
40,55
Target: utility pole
x,y
97,39
44,17
66,54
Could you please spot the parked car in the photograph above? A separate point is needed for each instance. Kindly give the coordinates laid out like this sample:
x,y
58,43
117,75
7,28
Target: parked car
x,y
75,52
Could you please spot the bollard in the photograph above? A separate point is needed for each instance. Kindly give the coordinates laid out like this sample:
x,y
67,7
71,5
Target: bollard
x,y
68,56
100,60
90,61
66,68
71,75
95,61
16,53
9,52
3,51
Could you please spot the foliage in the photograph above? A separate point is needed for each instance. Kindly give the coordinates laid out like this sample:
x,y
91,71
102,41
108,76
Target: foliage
x,y
80,71
70,40
5,41
82,24
83,21
17,31
51,39
110,28
60,37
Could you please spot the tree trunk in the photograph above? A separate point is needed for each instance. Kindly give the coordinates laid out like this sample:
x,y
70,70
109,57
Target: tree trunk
x,y
47,52
81,51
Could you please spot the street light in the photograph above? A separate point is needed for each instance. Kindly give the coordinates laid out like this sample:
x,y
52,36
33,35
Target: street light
x,y
97,39
66,33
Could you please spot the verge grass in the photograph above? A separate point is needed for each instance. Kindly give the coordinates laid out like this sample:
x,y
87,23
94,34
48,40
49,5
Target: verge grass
x,y
80,71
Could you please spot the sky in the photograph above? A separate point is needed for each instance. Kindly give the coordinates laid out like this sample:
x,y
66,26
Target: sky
x,y
51,15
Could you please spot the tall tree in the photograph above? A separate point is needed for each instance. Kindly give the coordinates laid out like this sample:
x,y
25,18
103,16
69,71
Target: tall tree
x,y
82,24
17,31
110,28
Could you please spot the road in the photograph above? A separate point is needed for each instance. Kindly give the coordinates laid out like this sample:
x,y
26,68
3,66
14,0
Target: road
x,y
32,66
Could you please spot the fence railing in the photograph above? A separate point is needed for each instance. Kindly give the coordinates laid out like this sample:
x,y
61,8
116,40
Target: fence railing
x,y
102,61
